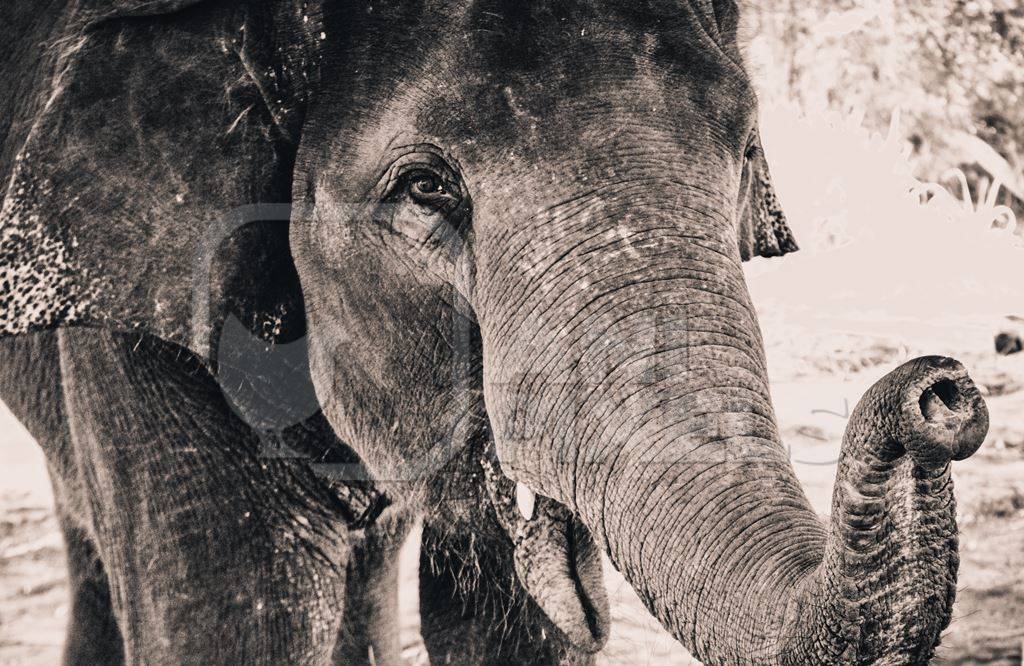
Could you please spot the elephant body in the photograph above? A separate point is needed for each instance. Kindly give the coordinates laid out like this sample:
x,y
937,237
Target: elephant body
x,y
321,269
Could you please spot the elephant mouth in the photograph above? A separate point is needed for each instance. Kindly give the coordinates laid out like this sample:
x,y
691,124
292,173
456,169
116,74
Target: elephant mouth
x,y
555,558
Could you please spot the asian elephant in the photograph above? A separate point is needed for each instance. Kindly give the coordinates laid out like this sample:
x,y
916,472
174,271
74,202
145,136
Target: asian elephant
x,y
323,266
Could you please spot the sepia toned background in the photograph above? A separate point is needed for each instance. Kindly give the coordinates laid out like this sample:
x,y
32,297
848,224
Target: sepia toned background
x,y
895,133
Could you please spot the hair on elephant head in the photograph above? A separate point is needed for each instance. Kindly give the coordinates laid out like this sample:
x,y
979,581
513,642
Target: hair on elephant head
x,y
518,229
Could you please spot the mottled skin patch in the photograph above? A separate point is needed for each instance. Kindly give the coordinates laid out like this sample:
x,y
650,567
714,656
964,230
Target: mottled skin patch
x,y
47,290
774,237
763,230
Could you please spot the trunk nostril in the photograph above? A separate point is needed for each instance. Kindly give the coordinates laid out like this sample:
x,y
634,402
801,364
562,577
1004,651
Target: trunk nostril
x,y
944,415
939,400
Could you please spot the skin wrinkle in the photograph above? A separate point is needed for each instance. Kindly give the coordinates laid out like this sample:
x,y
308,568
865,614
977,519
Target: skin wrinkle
x,y
571,330
651,149
654,130
702,565
738,436
576,417
663,403
584,309
557,379
723,563
605,297
590,237
792,564
508,323
634,429
737,65
536,282
689,274
580,244
626,241
637,392
686,197
730,438
675,424
585,434
734,559
708,335
662,481
753,624
614,464
558,262
690,477
766,418
677,482
596,353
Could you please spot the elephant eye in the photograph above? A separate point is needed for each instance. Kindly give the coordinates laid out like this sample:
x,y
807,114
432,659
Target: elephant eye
x,y
428,189
753,149
423,198
427,204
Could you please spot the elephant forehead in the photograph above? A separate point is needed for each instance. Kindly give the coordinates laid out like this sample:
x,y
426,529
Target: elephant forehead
x,y
504,73
534,74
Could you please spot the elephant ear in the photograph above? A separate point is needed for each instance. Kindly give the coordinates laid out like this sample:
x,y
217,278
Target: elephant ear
x,y
151,170
763,230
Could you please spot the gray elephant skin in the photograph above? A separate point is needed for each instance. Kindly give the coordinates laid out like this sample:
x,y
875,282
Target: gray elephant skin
x,y
280,278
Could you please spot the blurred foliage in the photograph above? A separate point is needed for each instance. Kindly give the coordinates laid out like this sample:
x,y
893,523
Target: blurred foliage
x,y
954,68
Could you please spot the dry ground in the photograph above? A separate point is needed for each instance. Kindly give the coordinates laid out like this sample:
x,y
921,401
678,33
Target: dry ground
x,y
816,373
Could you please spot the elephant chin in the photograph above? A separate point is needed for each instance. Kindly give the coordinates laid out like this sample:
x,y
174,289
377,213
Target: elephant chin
x,y
556,559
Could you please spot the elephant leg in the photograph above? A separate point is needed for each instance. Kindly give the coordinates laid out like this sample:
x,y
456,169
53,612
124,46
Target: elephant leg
x,y
473,609
93,636
30,385
370,632
213,553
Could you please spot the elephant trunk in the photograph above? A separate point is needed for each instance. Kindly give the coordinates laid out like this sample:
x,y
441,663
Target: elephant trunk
x,y
730,558
888,576
647,414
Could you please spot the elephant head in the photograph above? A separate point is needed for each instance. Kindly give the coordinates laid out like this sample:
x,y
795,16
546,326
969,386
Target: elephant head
x,y
517,231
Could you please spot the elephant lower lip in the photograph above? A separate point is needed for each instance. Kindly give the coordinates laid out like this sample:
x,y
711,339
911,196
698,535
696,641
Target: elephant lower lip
x,y
559,564
587,575
556,561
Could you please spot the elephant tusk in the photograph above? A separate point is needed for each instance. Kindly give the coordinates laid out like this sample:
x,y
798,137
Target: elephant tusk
x,y
525,500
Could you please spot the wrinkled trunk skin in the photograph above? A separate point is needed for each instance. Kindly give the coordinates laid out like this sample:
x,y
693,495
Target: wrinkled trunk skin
x,y
647,413
888,576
